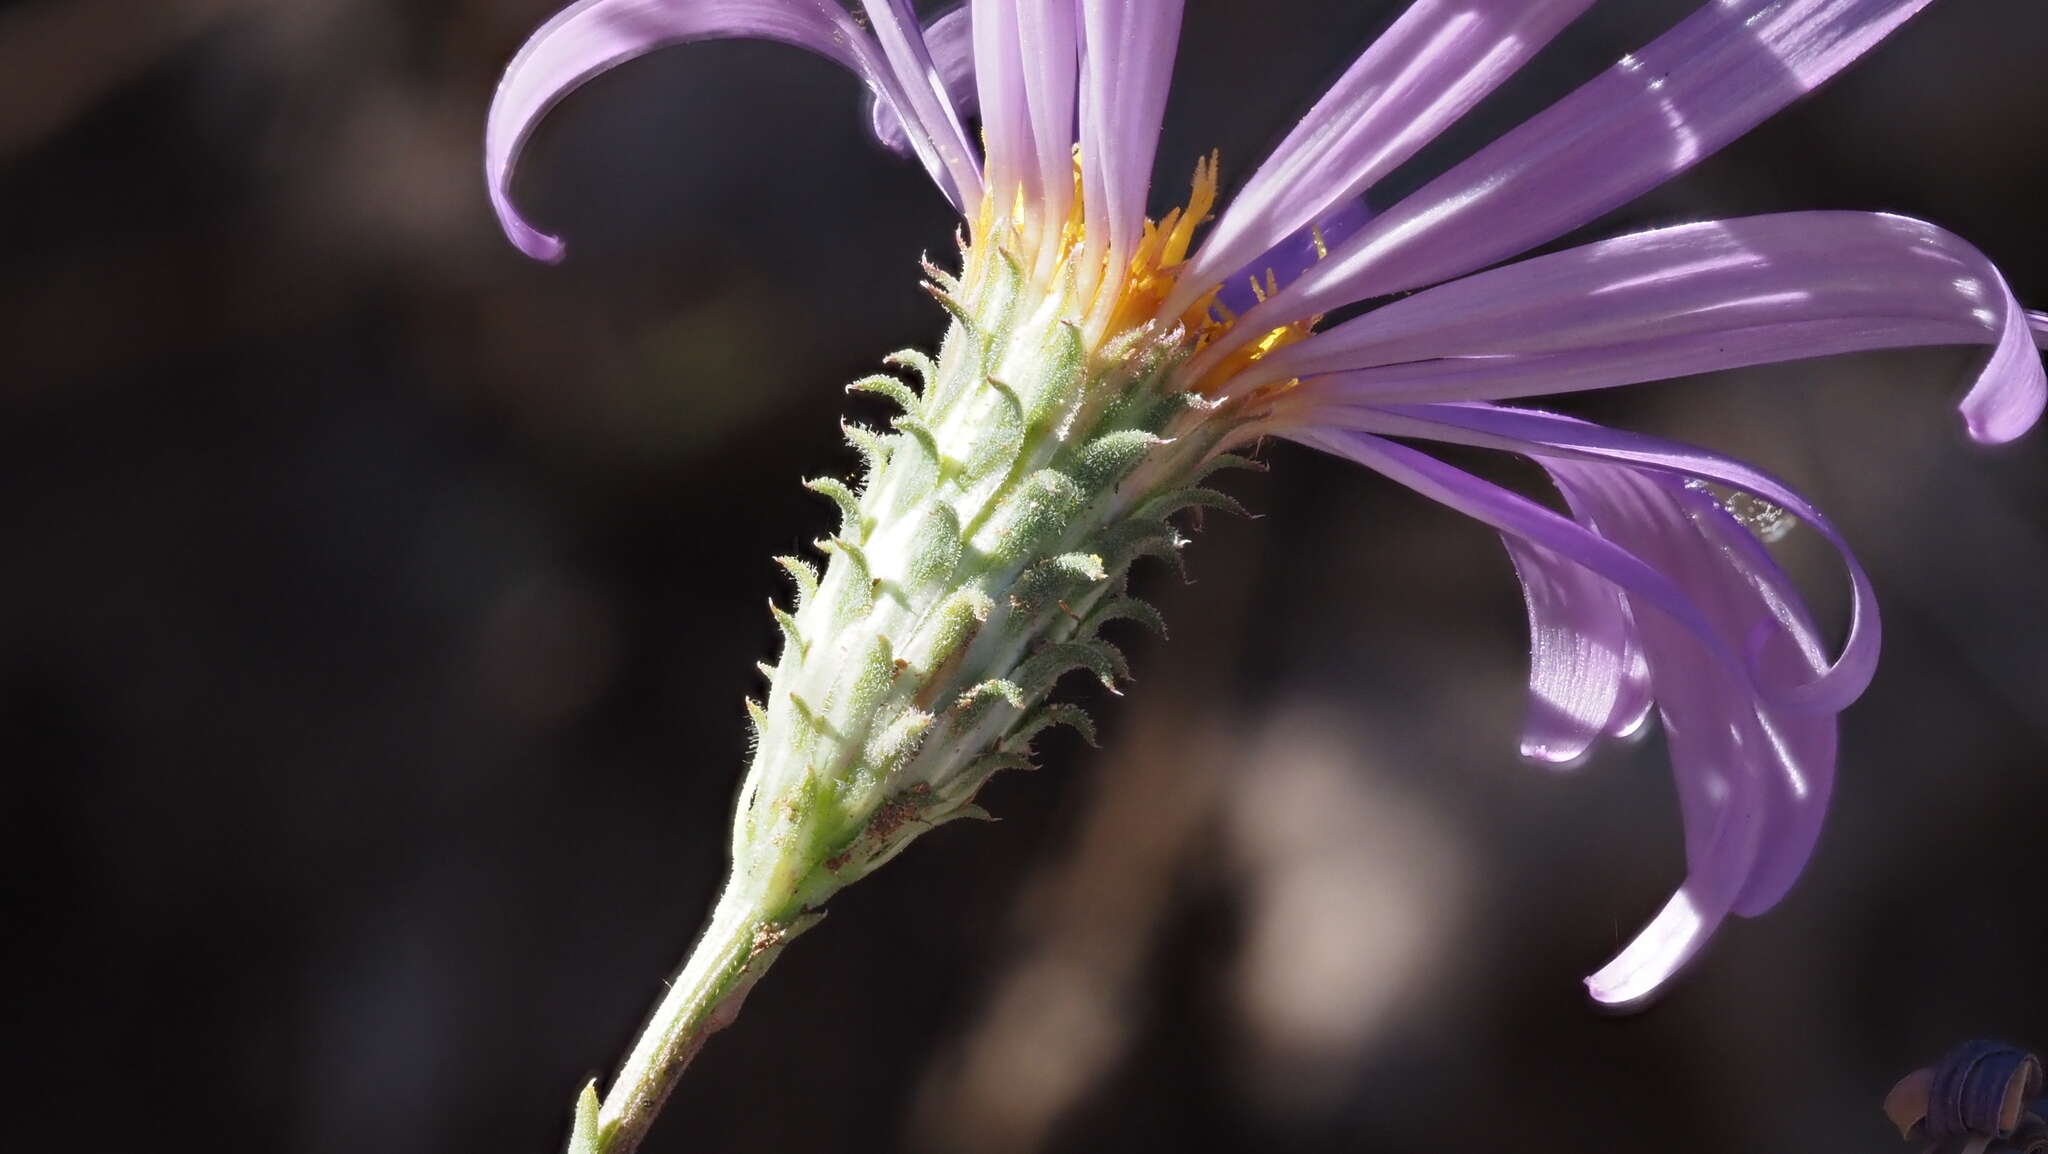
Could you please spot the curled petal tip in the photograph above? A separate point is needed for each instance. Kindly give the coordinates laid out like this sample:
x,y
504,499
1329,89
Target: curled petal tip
x,y
1601,993
591,37
2011,391
535,243
539,245
1550,756
1619,995
1991,425
1665,945
1620,992
1629,725
950,39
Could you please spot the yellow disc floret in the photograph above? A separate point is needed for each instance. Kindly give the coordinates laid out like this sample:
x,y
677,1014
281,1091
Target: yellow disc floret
x,y
1106,307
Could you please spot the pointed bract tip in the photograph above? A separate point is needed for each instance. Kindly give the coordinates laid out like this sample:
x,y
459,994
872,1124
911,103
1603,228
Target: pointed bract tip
x,y
584,1137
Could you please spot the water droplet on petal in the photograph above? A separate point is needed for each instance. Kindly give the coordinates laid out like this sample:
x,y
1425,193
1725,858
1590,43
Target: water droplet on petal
x,y
1767,520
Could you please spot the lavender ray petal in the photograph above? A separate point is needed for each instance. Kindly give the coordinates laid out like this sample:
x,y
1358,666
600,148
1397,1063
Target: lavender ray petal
x,y
1048,37
1286,260
1518,516
1634,696
2012,388
1723,274
1005,115
921,98
1873,280
594,36
1656,113
950,38
1753,779
1678,932
1671,939
1578,653
1427,70
1503,377
1603,635
1716,727
1697,683
1753,785
1796,751
1547,437
1127,52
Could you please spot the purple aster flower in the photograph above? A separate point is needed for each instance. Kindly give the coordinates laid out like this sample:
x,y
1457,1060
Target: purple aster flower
x,y
1100,363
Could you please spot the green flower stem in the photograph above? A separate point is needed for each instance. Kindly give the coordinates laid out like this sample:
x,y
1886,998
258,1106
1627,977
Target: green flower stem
x,y
736,948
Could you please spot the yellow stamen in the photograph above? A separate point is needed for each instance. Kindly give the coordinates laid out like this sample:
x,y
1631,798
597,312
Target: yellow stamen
x,y
1152,273
1155,267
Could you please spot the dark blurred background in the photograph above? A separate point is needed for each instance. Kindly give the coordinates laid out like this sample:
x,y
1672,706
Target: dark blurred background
x,y
378,605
